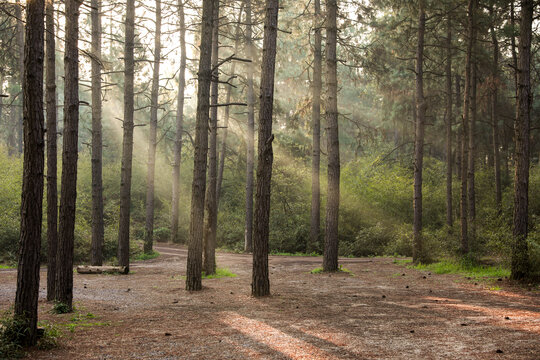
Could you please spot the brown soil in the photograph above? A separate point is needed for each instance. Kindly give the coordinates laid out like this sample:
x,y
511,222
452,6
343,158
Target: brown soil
x,y
383,311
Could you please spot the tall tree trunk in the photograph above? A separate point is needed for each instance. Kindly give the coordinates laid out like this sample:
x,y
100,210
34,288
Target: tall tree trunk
x,y
179,125
198,187
52,186
315,227
260,284
226,115
458,104
152,141
421,108
495,121
330,258
97,139
471,192
465,130
209,265
520,253
20,47
449,120
68,192
26,298
127,142
248,236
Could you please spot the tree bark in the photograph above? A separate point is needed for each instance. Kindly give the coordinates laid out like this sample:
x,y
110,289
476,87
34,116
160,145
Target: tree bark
x,y
520,253
331,241
152,141
315,227
127,142
97,139
449,120
421,108
179,125
27,293
495,121
68,193
260,285
198,187
471,191
250,148
52,171
209,264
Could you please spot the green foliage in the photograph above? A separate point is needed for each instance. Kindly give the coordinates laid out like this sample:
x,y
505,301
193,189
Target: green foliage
x,y
61,308
320,270
220,273
51,335
277,253
465,267
12,331
10,202
144,256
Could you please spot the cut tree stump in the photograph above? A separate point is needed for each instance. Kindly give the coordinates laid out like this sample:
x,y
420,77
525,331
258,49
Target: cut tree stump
x,y
86,269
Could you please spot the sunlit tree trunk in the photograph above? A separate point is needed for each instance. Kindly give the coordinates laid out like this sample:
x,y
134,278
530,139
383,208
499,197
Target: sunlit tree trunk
x,y
316,131
127,142
52,186
152,141
97,139
27,293
196,226
179,125
449,120
331,241
260,284
421,108
520,253
68,192
209,264
248,236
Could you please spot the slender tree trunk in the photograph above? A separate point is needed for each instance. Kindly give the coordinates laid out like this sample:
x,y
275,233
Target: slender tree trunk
x,y
20,47
458,104
52,191
316,131
179,125
471,192
97,139
465,131
26,298
68,193
152,141
209,265
421,108
495,121
520,253
449,120
127,142
260,284
248,236
226,114
198,188
331,241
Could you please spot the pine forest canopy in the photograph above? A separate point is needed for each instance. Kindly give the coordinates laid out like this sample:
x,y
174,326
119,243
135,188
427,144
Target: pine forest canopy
x,y
350,128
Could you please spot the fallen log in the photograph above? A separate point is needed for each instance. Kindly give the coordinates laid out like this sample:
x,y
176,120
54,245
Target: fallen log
x,y
87,269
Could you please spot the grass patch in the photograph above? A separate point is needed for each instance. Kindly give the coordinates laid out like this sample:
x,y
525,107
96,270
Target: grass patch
x,y
320,270
278,253
51,335
61,308
144,256
6,266
402,261
464,268
220,273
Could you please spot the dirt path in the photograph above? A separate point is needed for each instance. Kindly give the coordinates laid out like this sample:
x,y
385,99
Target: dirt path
x,y
384,311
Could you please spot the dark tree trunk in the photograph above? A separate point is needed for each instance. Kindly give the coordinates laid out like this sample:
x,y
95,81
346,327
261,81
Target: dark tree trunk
x,y
465,130
449,120
20,47
520,253
471,192
458,104
248,236
421,108
97,140
52,186
331,241
152,141
209,264
179,126
260,285
68,193
26,298
315,227
495,121
127,142
198,188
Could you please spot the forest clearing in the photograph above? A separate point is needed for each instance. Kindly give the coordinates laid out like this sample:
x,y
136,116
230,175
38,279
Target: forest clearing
x,y
379,310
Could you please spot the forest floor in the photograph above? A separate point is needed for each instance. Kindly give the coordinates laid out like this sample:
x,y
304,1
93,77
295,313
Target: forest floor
x,y
381,310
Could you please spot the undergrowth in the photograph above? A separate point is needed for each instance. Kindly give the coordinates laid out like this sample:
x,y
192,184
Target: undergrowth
x,y
220,273
466,268
144,256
